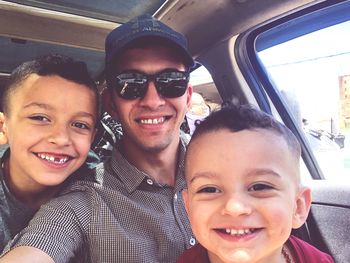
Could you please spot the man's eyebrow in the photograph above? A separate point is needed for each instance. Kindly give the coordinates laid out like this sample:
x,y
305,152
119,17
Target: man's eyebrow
x,y
198,175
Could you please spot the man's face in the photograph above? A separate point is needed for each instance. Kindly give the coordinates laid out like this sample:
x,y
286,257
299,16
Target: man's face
x,y
151,123
49,128
243,197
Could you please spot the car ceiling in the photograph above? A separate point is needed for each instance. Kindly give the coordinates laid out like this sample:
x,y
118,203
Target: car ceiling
x,y
31,28
222,19
78,28
115,11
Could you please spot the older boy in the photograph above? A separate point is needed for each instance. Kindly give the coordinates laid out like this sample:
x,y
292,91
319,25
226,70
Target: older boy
x,y
48,121
134,212
244,194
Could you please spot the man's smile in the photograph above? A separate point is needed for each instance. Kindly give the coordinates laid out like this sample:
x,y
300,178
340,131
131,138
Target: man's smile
x,y
153,121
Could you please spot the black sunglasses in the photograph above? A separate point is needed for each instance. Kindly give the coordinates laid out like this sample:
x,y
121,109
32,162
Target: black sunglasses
x,y
169,84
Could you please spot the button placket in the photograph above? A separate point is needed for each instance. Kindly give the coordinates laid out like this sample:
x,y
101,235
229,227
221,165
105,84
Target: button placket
x,y
192,241
149,181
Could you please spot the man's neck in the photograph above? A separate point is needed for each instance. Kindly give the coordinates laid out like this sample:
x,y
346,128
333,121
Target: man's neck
x,y
160,165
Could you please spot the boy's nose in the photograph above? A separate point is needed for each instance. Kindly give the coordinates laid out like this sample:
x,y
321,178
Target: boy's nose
x,y
152,99
59,136
236,205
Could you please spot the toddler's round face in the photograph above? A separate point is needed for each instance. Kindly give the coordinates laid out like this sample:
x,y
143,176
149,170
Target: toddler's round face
x,y
243,194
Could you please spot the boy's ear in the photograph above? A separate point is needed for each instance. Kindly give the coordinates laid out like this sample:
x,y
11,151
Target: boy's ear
x,y
108,103
3,129
302,207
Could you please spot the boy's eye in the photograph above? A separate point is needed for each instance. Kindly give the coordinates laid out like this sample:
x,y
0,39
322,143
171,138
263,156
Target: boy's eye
x,y
208,189
81,125
39,118
260,187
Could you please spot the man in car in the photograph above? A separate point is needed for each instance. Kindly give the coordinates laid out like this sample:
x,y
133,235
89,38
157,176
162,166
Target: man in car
x,y
131,209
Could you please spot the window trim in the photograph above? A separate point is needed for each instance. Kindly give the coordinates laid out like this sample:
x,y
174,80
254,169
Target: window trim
x,y
262,87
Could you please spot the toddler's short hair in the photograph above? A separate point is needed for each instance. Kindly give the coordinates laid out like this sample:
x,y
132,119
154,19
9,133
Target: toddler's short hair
x,y
245,117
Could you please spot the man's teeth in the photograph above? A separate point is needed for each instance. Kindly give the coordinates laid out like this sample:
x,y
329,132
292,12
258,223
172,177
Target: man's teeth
x,y
238,232
58,160
152,121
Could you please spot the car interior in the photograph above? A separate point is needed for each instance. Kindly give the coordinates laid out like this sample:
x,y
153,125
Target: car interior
x,y
247,52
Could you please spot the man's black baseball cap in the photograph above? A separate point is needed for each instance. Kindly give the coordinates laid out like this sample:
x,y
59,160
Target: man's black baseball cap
x,y
144,26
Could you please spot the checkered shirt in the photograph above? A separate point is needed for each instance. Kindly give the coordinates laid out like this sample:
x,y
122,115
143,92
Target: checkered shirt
x,y
120,215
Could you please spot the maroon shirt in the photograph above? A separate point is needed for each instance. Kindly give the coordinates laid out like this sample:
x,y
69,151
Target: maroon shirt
x,y
302,253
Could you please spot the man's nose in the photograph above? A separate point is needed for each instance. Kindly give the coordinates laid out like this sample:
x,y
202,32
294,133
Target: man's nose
x,y
152,98
236,205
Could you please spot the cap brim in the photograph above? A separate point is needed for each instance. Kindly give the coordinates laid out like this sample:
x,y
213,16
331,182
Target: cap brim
x,y
190,63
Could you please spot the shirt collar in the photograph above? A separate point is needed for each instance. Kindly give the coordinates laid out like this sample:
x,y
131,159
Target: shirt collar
x,y
132,177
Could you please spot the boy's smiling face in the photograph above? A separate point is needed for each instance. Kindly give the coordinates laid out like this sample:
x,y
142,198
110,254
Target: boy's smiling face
x,y
49,128
243,194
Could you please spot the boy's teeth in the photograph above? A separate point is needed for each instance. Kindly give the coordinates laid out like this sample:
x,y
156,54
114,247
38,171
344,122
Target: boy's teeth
x,y
238,232
152,121
57,160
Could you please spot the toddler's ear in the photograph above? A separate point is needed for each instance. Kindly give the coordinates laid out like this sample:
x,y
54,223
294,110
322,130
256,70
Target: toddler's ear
x,y
3,129
302,207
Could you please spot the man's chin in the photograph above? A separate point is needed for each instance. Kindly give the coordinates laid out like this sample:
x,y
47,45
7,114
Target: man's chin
x,y
155,147
150,144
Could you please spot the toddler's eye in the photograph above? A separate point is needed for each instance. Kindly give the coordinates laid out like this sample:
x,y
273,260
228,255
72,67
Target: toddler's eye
x,y
260,187
39,118
209,189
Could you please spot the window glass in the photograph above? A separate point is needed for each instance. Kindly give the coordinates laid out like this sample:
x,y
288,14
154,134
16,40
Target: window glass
x,y
312,72
202,83
205,98
13,52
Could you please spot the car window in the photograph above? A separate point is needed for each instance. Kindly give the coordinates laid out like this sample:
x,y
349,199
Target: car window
x,y
205,98
309,65
202,83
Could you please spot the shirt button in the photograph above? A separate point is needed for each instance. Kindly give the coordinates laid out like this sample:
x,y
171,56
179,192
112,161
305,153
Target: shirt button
x,y
175,197
149,181
192,241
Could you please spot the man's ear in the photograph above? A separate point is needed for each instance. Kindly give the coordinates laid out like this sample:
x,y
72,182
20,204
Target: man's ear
x,y
3,129
302,207
189,96
108,103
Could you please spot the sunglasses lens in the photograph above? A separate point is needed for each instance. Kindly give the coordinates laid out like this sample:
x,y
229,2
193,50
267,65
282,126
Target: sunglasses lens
x,y
172,84
131,86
